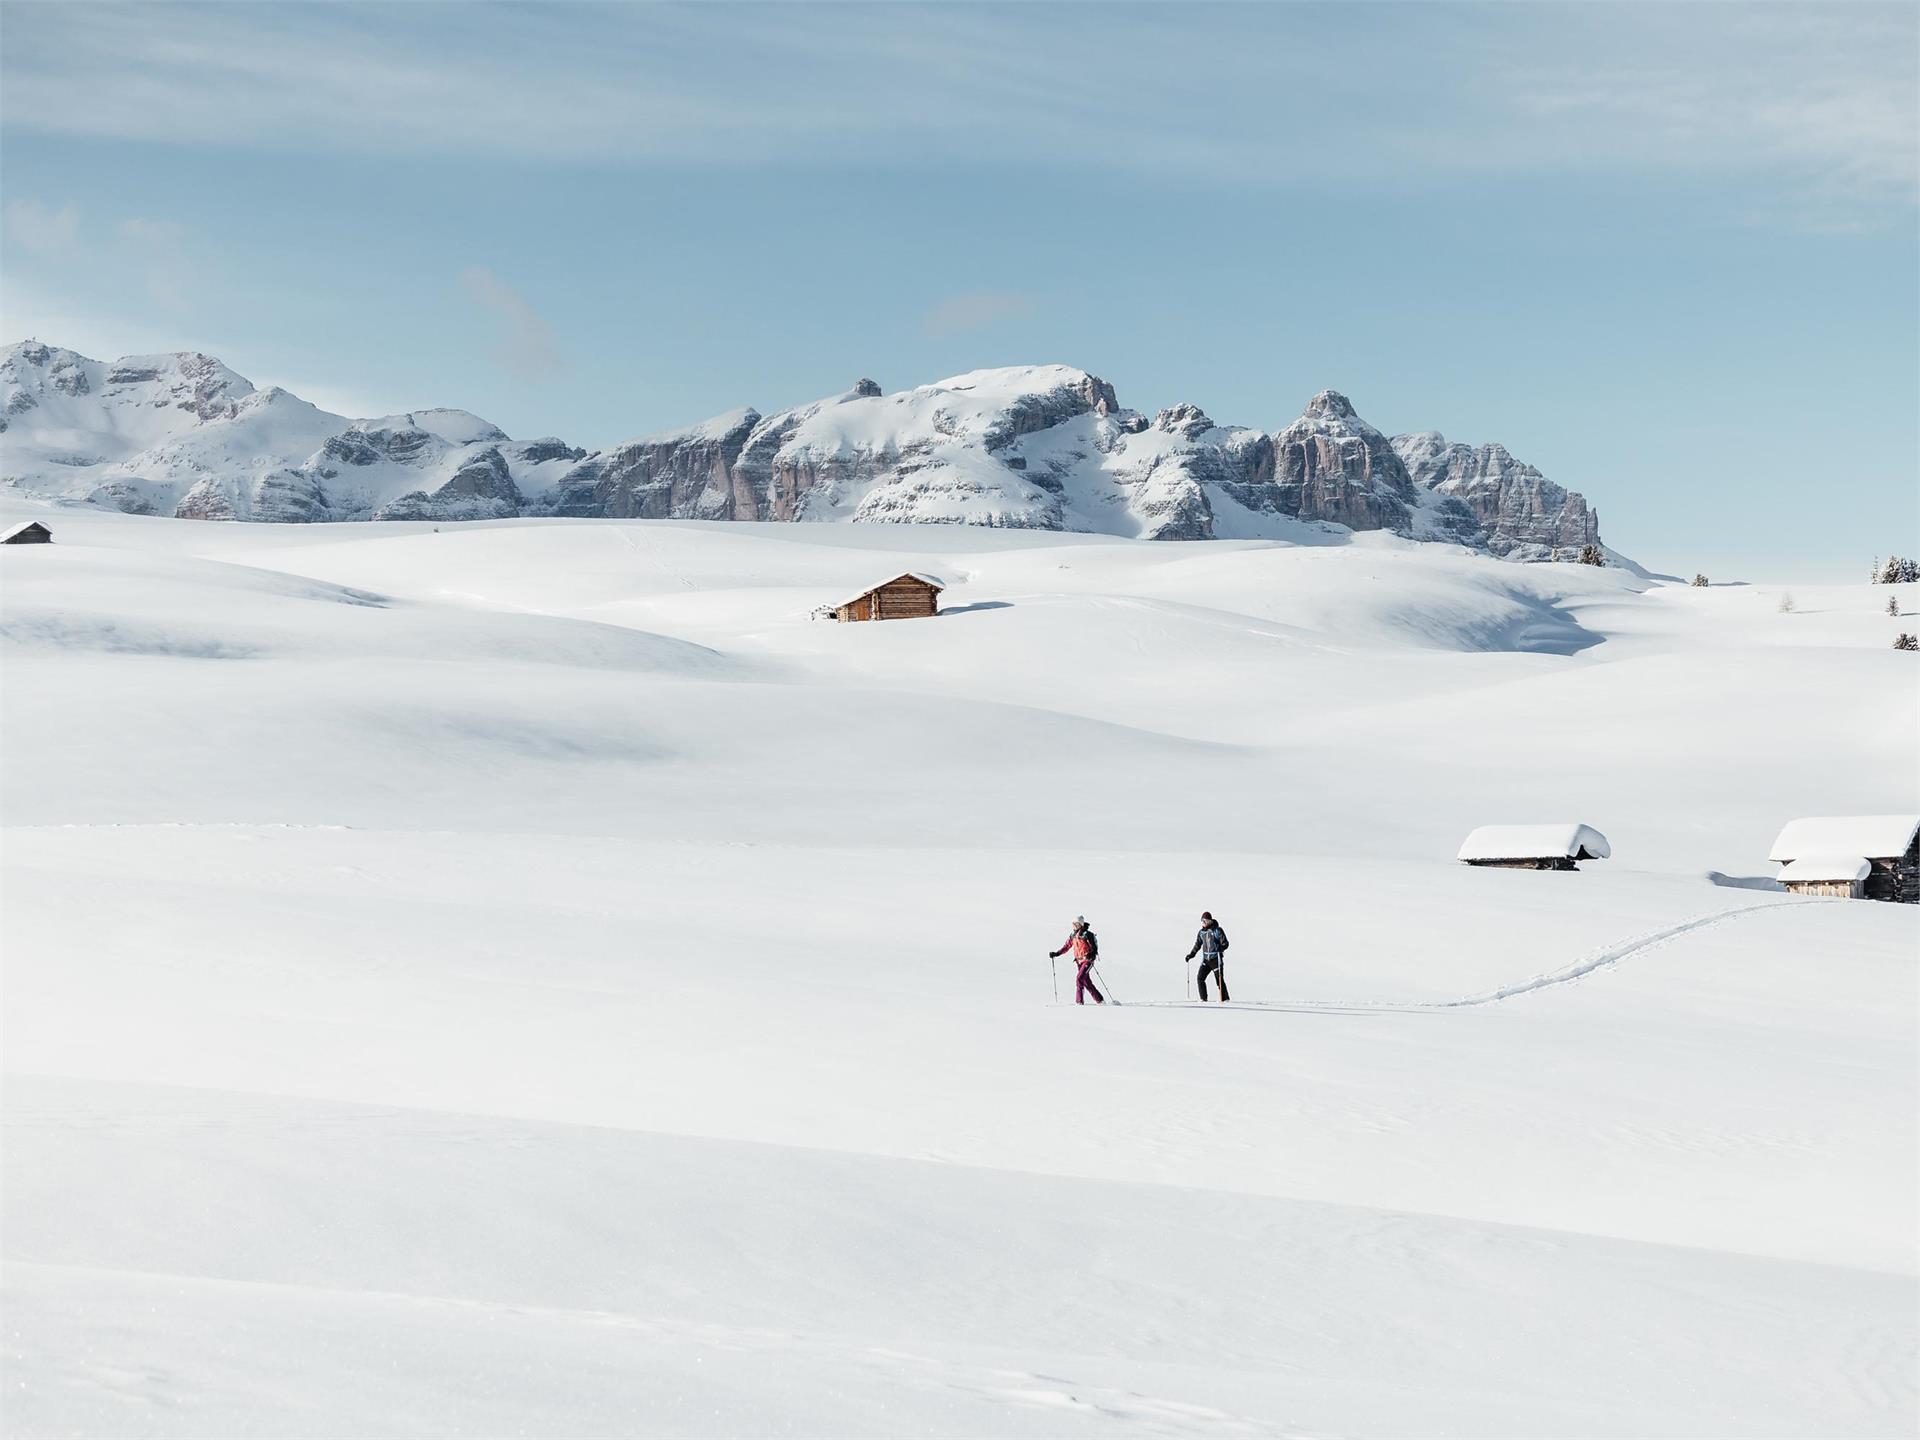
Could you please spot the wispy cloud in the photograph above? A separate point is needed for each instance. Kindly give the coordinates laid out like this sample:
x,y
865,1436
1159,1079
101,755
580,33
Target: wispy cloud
x,y
959,314
526,349
1827,101
34,225
1818,103
1826,93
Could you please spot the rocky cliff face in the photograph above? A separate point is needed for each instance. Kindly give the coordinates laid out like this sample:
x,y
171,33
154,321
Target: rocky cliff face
x,y
1331,465
1520,514
1039,446
684,473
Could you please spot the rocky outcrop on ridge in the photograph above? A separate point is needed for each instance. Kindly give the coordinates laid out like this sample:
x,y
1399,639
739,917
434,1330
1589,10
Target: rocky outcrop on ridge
x,y
681,474
1520,513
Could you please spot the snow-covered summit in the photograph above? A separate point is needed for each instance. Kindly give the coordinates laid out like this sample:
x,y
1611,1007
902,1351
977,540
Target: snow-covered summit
x,y
182,434
462,427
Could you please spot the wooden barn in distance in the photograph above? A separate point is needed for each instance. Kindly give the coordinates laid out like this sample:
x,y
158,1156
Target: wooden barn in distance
x,y
1861,857
29,532
1534,847
905,597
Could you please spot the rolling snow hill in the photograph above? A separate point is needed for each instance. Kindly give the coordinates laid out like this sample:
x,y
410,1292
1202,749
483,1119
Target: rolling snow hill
x,y
529,977
1039,447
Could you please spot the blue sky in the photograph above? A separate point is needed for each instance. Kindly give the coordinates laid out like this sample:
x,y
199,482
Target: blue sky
x,y
1668,254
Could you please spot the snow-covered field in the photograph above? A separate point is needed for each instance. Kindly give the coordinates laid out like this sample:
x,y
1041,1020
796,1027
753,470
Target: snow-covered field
x,y
532,979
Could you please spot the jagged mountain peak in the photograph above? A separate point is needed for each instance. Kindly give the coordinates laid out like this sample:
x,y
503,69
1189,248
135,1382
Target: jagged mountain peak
x,y
1183,419
1031,446
1331,404
38,354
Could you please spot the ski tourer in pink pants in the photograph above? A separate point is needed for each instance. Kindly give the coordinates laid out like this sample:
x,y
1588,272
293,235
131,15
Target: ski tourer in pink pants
x,y
1085,947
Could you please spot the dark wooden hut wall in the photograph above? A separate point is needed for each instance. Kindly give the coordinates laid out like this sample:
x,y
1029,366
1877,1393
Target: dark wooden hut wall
x,y
902,599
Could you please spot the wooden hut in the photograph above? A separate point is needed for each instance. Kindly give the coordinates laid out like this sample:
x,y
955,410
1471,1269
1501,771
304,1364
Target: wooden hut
x,y
904,597
1815,849
1844,879
29,532
1534,847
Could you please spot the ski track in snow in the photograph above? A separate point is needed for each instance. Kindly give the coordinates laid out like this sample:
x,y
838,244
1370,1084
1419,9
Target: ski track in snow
x,y
1602,958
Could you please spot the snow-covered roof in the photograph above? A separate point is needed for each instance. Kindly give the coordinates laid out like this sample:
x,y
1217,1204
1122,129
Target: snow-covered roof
x,y
1825,867
904,575
23,526
1534,842
1878,837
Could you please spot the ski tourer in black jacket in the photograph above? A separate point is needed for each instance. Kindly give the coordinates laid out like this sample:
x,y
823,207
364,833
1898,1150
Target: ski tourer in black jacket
x,y
1211,946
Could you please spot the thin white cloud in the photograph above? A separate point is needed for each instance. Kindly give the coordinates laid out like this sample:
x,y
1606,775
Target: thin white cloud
x,y
1833,105
1823,103
527,349
977,310
34,225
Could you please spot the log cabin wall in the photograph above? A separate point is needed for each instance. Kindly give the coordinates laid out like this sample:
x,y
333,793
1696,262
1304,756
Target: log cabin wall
x,y
1838,889
1897,879
902,599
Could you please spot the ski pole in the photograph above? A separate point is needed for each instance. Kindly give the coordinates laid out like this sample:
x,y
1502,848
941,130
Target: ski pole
x,y
1053,964
1103,980
1188,966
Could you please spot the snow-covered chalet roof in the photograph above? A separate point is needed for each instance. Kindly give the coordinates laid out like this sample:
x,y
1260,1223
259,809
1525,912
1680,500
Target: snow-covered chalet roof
x,y
21,528
1825,867
1534,842
1877,837
903,575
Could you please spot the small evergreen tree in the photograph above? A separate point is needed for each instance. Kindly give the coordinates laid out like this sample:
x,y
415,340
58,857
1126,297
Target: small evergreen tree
x,y
1699,582
1904,641
1893,604
1592,555
1873,575
1786,604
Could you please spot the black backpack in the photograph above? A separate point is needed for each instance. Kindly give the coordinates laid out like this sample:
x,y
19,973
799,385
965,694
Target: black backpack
x,y
1093,945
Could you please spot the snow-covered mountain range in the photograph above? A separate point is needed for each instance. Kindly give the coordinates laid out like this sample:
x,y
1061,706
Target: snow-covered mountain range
x,y
1042,447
